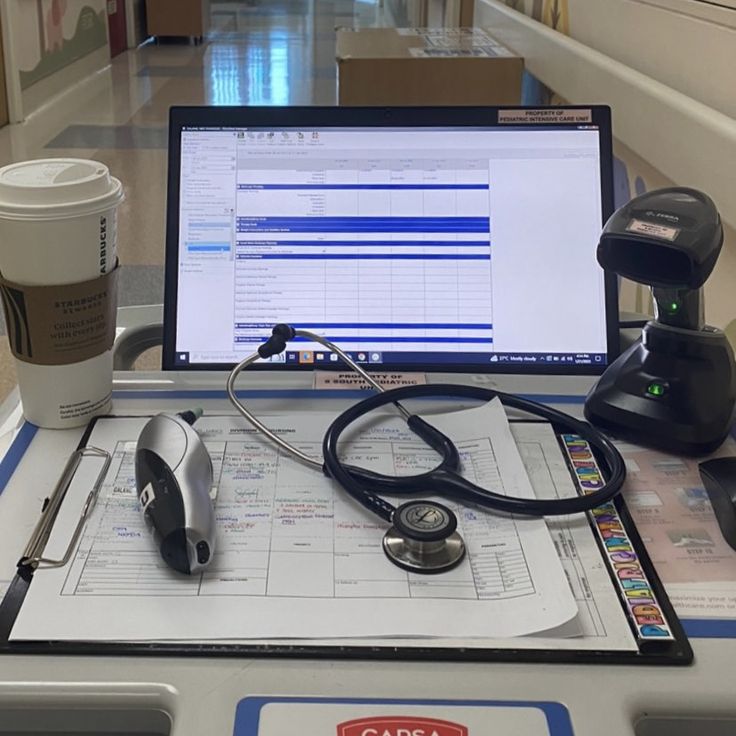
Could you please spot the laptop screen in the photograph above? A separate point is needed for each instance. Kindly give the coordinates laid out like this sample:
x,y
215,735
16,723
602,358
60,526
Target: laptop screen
x,y
447,246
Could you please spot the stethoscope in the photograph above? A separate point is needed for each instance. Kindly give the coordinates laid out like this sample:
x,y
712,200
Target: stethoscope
x,y
423,536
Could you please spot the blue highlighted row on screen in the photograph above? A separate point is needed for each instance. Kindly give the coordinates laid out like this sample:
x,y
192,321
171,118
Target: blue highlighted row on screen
x,y
363,257
365,224
370,325
363,243
342,340
364,220
298,187
381,227
208,247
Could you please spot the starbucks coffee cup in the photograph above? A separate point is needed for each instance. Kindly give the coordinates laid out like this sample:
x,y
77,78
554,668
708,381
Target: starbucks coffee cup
x,y
58,273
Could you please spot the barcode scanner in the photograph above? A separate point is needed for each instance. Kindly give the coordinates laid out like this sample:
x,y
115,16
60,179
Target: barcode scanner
x,y
676,387
173,473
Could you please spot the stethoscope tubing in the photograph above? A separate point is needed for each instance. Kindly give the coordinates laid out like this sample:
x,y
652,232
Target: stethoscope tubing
x,y
445,479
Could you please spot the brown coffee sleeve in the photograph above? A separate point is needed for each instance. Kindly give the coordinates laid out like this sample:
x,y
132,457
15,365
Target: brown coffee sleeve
x,y
61,324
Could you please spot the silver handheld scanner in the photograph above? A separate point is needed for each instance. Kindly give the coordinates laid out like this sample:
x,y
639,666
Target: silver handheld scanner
x,y
173,473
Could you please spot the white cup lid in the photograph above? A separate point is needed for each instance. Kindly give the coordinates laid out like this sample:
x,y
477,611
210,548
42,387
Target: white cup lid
x,y
56,187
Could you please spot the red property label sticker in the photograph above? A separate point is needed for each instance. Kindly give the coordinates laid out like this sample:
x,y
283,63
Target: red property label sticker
x,y
400,726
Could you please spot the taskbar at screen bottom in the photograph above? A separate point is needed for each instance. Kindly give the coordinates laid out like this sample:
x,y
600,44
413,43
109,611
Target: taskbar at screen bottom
x,y
387,359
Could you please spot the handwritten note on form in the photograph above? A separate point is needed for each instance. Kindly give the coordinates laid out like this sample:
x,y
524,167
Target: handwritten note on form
x,y
297,558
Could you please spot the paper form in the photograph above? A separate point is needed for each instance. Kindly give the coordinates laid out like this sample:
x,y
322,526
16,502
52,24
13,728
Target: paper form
x,y
666,498
600,623
295,557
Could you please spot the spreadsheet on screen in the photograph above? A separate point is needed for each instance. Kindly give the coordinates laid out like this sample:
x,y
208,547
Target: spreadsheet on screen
x,y
402,245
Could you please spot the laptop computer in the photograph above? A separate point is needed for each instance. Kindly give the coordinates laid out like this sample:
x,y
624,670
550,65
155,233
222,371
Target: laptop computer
x,y
440,239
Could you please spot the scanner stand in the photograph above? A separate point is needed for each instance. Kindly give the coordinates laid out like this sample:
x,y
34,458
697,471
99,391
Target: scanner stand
x,y
675,388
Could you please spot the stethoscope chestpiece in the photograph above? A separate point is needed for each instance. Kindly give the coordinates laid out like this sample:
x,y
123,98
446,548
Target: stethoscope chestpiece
x,y
423,538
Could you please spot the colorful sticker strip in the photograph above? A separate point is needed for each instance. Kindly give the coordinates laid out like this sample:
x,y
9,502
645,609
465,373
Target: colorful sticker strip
x,y
644,610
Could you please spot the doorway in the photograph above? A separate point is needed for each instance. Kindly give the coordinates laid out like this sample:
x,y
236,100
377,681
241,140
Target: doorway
x,y
116,22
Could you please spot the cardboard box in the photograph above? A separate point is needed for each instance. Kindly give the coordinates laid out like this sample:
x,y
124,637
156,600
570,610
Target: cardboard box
x,y
425,66
177,17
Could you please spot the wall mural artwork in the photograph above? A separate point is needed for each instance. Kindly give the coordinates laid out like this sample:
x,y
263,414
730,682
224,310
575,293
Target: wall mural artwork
x,y
67,30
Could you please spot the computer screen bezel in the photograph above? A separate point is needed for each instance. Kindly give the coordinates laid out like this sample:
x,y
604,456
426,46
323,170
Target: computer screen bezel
x,y
323,117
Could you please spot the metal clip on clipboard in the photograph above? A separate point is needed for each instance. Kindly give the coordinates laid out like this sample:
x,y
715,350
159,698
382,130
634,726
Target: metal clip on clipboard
x,y
32,555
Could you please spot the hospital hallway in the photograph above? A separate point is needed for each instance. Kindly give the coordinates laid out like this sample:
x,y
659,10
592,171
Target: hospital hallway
x,y
282,52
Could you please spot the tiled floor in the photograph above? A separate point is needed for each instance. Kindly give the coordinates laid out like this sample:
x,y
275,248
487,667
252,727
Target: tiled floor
x,y
259,52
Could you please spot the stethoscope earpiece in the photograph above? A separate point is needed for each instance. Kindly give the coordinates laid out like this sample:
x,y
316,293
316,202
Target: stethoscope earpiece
x,y
424,538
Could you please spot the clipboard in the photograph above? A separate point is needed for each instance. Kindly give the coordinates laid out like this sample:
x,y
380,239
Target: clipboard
x,y
672,649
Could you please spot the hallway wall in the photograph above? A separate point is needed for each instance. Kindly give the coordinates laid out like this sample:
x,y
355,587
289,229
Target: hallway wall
x,y
692,53
53,45
4,118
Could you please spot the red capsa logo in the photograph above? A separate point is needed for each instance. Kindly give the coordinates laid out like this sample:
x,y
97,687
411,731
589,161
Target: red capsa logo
x,y
400,726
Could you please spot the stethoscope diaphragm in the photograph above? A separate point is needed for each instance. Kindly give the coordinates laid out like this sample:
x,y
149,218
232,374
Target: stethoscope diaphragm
x,y
424,538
